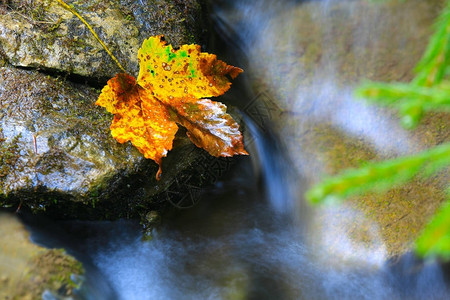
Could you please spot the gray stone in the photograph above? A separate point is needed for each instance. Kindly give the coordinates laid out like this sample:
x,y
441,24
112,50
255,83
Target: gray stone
x,y
56,151
42,34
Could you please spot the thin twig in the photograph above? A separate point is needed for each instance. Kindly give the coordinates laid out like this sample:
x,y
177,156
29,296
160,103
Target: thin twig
x,y
35,144
31,20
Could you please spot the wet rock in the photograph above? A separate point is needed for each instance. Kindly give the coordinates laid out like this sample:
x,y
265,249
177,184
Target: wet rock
x,y
58,155
42,34
152,218
28,271
54,140
149,223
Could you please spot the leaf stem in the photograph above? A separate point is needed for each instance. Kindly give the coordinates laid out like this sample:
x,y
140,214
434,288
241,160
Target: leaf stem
x,y
72,10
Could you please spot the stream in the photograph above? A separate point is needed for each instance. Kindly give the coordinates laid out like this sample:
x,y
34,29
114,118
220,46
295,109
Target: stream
x,y
250,235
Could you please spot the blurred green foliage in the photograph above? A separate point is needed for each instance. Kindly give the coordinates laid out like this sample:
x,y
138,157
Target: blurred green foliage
x,y
435,239
380,176
411,100
428,91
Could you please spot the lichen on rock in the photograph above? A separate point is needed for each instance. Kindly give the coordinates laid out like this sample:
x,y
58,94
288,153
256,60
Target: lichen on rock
x,y
42,34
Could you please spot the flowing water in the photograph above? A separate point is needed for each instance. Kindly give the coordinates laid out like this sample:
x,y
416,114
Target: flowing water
x,y
250,236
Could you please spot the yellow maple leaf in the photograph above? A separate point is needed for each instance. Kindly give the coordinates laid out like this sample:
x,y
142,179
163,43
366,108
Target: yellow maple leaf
x,y
171,88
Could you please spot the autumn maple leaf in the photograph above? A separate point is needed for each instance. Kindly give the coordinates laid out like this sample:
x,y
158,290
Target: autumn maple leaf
x,y
171,88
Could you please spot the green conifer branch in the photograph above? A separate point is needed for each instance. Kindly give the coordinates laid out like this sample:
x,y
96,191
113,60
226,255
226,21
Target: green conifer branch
x,y
411,100
435,239
430,98
380,176
428,90
431,69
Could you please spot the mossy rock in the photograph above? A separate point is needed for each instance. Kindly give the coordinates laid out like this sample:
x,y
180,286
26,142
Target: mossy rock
x,y
58,155
27,271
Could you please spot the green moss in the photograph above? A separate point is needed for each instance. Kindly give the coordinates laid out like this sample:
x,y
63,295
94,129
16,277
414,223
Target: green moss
x,y
27,270
9,156
341,150
51,162
35,12
51,270
149,223
402,212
